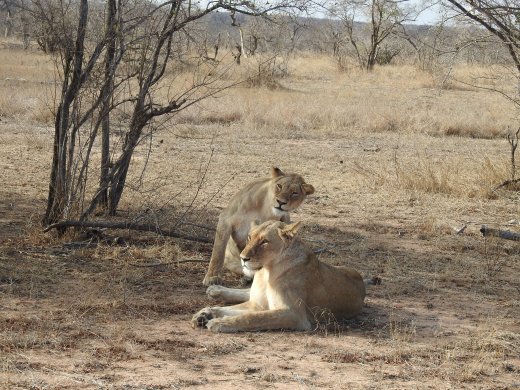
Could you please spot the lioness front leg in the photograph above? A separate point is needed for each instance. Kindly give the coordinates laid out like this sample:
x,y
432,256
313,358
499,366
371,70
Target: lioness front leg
x,y
216,262
202,317
229,295
260,320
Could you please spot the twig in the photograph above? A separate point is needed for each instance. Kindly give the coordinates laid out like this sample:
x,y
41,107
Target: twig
x,y
326,249
199,187
128,226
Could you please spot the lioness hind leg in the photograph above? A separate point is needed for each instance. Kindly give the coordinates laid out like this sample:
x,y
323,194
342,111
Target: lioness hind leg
x,y
232,258
228,295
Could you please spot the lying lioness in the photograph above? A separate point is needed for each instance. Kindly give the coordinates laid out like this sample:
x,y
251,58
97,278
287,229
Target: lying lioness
x,y
261,200
289,287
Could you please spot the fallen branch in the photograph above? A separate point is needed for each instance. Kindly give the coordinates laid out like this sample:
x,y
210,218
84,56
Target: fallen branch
x,y
505,234
128,226
144,265
507,183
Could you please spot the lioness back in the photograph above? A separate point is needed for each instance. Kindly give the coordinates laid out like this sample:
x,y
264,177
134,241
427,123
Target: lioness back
x,y
338,289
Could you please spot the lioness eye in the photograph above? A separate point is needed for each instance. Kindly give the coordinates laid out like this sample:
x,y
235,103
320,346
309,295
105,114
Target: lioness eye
x,y
248,238
264,242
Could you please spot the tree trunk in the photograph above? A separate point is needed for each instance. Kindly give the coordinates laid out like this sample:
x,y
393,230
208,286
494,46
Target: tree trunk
x,y
372,58
8,24
118,180
110,27
53,212
58,197
242,48
119,170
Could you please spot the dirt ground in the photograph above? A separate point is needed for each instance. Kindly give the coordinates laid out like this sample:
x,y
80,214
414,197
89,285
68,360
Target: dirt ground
x,y
116,315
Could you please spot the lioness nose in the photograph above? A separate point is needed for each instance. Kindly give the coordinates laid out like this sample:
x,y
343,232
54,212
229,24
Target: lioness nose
x,y
245,258
281,202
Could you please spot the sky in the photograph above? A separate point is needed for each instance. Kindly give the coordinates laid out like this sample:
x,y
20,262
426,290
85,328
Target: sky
x,y
430,15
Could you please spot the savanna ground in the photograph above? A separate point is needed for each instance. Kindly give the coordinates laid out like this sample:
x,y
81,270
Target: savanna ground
x,y
398,164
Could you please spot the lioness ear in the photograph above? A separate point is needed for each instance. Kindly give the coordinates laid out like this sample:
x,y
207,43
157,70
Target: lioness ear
x,y
276,172
254,223
307,189
289,231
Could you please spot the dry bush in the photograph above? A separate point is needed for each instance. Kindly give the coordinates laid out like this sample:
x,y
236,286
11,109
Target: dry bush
x,y
428,176
263,71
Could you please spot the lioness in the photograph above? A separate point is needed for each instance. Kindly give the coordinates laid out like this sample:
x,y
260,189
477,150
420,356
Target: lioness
x,y
290,286
260,201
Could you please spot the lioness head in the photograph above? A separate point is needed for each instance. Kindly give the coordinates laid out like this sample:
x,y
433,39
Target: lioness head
x,y
265,243
289,191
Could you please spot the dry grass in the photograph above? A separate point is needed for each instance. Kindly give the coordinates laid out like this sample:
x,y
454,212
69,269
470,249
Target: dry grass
x,y
26,85
398,164
318,102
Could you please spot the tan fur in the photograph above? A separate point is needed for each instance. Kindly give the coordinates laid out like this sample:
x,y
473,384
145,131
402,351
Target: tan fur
x,y
291,286
261,200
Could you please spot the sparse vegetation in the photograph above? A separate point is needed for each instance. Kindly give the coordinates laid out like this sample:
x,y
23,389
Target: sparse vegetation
x,y
399,165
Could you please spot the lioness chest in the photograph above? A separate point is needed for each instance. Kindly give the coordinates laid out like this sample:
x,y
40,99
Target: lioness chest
x,y
266,296
262,295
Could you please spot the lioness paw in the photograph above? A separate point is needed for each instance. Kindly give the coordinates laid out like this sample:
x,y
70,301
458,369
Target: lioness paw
x,y
211,280
217,325
201,318
214,291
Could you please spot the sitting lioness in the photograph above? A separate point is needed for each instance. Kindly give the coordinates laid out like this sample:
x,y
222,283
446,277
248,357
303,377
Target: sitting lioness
x,y
290,287
260,201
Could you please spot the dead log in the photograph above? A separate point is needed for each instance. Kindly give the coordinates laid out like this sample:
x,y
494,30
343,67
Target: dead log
x,y
505,234
128,226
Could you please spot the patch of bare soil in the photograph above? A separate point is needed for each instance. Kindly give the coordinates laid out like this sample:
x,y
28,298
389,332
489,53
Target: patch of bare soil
x,y
445,316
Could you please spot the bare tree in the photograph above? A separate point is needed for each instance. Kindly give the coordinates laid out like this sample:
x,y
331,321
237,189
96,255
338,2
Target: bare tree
x,y
500,18
367,25
6,8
